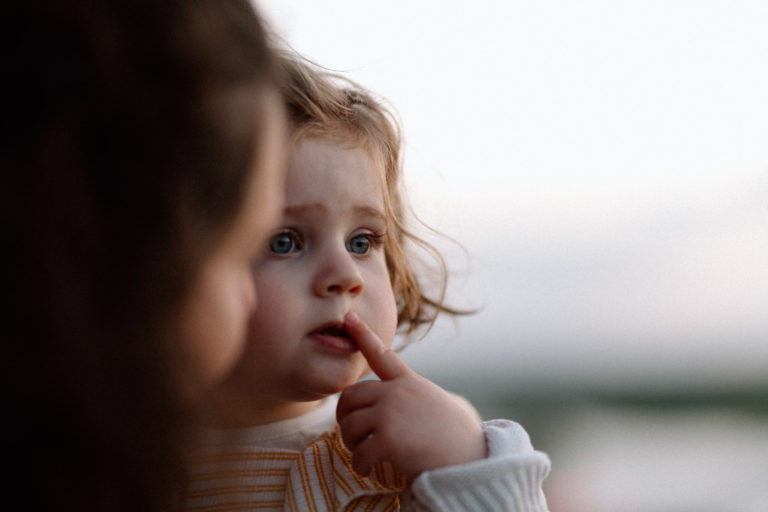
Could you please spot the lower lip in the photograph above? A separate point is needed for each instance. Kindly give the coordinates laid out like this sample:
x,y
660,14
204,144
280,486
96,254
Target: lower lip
x,y
335,343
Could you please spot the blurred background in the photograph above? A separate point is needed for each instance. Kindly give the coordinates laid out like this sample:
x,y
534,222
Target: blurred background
x,y
603,169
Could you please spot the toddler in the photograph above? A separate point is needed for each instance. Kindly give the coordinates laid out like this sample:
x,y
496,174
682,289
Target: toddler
x,y
333,289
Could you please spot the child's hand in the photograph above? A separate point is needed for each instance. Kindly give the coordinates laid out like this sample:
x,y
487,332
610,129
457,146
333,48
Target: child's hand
x,y
404,419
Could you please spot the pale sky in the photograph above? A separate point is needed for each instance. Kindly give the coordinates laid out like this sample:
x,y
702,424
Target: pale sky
x,y
604,163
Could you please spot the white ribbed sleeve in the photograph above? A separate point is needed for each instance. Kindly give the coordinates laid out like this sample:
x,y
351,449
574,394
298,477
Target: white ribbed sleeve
x,y
509,479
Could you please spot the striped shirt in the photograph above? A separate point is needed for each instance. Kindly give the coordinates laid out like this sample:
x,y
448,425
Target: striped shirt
x,y
295,465
318,479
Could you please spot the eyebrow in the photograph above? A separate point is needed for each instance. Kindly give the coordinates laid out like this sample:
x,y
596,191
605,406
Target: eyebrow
x,y
314,208
369,211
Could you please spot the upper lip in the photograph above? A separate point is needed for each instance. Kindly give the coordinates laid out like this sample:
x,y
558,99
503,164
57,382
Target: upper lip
x,y
335,328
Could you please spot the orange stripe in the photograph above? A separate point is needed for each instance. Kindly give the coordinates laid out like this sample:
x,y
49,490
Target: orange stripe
x,y
305,484
374,501
244,505
378,470
240,473
218,491
346,488
319,470
393,505
389,478
346,459
291,497
343,484
330,500
351,472
232,457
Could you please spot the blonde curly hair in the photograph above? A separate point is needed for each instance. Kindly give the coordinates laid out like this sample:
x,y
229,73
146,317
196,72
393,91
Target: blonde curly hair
x,y
321,103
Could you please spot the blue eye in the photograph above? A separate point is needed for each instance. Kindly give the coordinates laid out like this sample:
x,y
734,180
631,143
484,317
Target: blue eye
x,y
359,244
284,243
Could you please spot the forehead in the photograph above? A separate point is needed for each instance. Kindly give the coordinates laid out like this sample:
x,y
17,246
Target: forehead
x,y
324,170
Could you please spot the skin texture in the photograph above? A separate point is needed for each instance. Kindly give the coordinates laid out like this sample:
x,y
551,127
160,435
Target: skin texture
x,y
326,267
215,317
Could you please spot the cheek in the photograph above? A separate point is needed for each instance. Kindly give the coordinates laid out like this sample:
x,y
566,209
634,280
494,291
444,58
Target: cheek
x,y
250,298
385,314
277,308
263,350
212,331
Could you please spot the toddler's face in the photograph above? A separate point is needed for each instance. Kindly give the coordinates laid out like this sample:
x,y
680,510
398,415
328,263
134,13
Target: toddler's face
x,y
215,316
325,260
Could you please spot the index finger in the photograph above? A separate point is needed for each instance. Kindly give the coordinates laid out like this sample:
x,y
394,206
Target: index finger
x,y
384,363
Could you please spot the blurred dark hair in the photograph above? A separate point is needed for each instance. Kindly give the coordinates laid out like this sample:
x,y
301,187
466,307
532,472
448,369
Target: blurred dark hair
x,y
130,131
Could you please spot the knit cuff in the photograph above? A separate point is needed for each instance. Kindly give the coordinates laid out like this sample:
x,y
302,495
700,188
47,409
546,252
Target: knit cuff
x,y
510,478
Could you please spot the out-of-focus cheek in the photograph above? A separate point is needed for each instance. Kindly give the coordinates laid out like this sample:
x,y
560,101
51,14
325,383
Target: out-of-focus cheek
x,y
250,299
213,325
200,354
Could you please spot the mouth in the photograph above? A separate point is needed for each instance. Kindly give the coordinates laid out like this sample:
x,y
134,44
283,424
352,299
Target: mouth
x,y
333,336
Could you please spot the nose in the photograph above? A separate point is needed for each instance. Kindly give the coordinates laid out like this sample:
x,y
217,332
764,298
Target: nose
x,y
338,274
